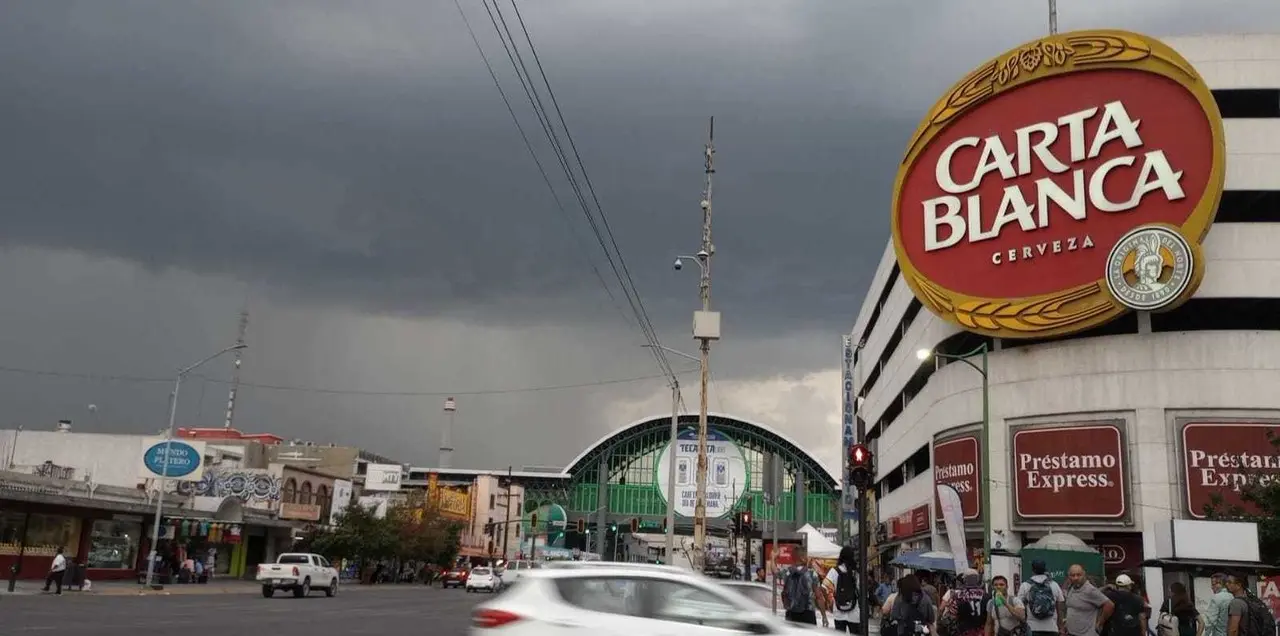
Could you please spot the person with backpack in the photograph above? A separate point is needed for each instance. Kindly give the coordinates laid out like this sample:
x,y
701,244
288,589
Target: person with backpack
x,y
1247,614
967,603
1006,615
909,610
1131,611
1045,602
842,583
802,595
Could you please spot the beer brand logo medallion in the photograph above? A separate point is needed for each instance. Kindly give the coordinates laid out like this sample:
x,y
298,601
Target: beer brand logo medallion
x,y
1150,267
1036,172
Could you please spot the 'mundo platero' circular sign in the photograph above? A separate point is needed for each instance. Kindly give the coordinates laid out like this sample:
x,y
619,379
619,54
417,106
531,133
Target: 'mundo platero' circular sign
x,y
177,460
1060,185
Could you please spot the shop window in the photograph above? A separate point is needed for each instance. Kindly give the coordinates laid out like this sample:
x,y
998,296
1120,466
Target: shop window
x,y
45,534
290,494
304,496
114,544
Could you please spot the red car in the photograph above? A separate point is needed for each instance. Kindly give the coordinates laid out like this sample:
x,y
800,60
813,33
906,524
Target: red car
x,y
453,578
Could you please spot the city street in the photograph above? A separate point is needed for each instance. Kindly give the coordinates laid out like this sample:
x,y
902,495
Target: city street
x,y
389,609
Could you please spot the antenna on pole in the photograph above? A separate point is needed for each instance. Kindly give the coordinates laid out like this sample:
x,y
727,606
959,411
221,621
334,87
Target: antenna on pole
x,y
235,371
706,327
1053,17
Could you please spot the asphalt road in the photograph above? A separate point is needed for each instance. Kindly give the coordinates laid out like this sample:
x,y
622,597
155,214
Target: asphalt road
x,y
384,610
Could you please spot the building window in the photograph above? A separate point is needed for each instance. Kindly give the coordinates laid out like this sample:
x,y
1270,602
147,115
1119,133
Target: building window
x,y
304,496
492,500
113,544
45,534
325,500
290,493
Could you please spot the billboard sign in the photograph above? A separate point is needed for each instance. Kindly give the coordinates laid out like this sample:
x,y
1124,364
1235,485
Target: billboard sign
x,y
1060,185
382,477
1218,458
726,472
342,491
171,459
956,463
1070,471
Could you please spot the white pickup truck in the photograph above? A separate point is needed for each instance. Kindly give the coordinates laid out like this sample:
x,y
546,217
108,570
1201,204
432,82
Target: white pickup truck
x,y
299,573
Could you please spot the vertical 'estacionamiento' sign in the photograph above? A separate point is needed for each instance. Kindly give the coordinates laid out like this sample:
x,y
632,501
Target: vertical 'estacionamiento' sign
x,y
1060,185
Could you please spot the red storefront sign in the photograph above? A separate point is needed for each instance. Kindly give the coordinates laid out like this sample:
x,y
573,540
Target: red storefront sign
x,y
1269,592
1121,551
1219,457
909,524
956,463
1069,472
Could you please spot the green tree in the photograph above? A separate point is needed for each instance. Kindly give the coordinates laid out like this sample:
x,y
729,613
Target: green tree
x,y
359,534
423,534
1261,493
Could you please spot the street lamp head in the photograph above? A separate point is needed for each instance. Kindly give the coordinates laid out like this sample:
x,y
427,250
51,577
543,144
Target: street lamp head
x,y
703,255
924,354
238,346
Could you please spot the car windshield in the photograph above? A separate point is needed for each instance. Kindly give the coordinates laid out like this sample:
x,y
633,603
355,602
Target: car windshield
x,y
480,572
292,558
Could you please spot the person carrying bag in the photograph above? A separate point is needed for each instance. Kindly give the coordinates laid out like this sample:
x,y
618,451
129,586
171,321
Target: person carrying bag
x,y
1006,615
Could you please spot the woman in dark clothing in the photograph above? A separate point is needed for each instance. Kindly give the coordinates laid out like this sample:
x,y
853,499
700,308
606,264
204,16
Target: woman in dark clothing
x,y
1179,604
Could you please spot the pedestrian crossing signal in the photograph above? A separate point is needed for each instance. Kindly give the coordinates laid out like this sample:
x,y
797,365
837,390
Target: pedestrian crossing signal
x,y
861,466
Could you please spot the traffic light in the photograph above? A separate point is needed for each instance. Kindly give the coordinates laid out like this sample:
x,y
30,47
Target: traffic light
x,y
747,526
582,526
861,466
664,525
533,522
635,525
613,526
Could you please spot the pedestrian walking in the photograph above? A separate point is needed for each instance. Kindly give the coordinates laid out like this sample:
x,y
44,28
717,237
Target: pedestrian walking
x,y
1088,609
56,571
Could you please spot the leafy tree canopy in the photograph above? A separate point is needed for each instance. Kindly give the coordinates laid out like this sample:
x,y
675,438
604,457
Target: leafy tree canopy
x,y
1261,495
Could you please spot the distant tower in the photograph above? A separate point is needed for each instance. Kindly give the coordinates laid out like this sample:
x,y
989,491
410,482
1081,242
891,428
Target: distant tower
x,y
235,373
446,435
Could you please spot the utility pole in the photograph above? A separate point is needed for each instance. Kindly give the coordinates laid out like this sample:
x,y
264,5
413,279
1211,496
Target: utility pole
x,y
706,327
506,527
1053,17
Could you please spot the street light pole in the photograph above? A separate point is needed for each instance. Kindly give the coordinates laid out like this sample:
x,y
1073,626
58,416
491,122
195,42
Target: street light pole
x,y
984,463
704,332
168,442
671,455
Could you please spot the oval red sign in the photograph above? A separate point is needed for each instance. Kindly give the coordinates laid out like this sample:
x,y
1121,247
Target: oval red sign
x,y
1019,196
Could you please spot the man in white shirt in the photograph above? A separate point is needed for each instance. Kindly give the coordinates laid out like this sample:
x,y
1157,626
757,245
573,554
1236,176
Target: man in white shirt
x,y
56,571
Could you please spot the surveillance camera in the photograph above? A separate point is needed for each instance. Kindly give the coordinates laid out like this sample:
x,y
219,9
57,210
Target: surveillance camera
x,y
702,255
678,264
705,204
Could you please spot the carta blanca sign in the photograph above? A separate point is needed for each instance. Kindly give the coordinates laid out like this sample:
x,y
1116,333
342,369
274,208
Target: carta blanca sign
x,y
1070,472
172,459
1060,185
1219,458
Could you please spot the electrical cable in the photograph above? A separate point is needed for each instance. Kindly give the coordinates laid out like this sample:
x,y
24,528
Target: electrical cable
x,y
303,389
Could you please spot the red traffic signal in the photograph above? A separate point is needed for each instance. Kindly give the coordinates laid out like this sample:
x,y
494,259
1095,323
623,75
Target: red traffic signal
x,y
746,518
859,456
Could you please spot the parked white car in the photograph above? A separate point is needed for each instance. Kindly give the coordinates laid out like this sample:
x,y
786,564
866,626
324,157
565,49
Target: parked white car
x,y
299,573
622,600
483,579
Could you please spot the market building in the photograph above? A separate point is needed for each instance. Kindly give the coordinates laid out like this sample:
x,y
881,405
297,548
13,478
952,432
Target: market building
x,y
1090,221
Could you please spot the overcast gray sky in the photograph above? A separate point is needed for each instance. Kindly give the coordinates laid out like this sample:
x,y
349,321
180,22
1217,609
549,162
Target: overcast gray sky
x,y
350,169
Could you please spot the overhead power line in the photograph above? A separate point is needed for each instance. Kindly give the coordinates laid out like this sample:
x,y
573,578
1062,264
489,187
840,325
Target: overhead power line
x,y
304,389
586,197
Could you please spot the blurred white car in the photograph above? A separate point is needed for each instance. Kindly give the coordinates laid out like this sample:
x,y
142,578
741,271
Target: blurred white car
x,y
758,592
483,579
623,600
